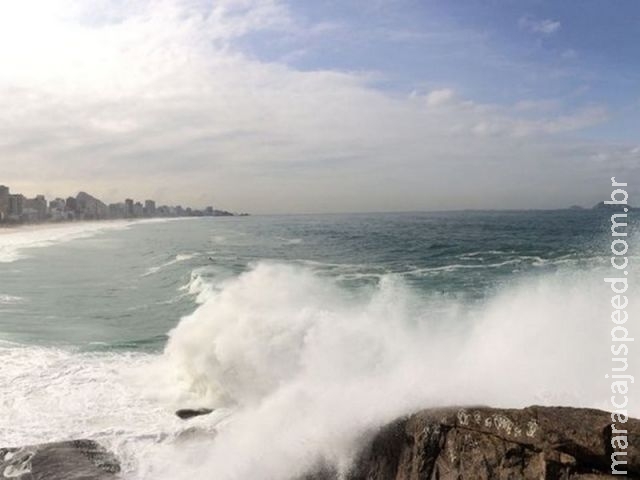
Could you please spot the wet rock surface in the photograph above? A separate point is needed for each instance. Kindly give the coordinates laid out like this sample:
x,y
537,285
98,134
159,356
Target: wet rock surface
x,y
187,413
72,460
536,443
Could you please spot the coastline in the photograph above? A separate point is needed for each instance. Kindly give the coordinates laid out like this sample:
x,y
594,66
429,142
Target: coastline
x,y
35,227
463,443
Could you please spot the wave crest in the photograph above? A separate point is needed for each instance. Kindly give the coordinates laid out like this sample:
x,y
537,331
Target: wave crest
x,y
310,368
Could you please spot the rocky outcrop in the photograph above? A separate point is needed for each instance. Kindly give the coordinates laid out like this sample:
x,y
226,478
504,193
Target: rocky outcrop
x,y
73,460
187,413
535,443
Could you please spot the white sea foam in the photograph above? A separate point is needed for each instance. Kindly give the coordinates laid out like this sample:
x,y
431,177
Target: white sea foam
x,y
60,394
456,266
291,241
198,286
182,257
52,394
483,253
310,370
10,299
15,243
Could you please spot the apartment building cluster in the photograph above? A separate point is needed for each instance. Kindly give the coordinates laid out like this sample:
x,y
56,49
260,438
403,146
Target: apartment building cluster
x,y
16,208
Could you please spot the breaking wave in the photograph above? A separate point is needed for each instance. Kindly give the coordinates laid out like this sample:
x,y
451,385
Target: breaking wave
x,y
301,369
309,369
182,257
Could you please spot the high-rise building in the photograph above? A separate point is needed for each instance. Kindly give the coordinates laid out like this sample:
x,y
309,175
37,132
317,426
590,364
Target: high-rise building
x,y
128,208
72,205
57,209
16,205
37,208
149,208
57,204
138,210
117,210
4,202
90,208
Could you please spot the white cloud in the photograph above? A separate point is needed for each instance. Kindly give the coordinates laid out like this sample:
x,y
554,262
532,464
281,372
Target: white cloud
x,y
154,99
439,97
544,26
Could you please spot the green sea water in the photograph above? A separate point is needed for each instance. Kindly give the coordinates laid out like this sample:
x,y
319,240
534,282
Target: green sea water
x,y
128,285
327,325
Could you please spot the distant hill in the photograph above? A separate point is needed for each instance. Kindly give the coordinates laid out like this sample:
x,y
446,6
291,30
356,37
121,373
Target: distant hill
x,y
604,206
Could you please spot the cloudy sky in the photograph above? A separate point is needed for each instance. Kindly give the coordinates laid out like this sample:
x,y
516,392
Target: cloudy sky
x,y
321,105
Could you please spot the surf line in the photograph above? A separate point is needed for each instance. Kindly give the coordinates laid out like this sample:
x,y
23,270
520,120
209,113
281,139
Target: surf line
x,y
620,340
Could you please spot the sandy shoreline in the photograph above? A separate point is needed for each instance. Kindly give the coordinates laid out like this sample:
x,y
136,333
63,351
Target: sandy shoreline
x,y
34,227
4,230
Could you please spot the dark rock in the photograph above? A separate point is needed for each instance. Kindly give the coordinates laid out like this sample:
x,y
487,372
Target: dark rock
x,y
536,443
72,460
186,413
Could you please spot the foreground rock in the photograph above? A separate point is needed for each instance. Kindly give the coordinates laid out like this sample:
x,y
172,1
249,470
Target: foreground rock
x,y
73,460
187,413
536,443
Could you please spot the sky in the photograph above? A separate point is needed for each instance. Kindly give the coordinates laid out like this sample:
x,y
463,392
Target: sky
x,y
274,106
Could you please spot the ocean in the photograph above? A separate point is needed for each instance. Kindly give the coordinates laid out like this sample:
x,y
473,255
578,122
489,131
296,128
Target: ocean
x,y
303,333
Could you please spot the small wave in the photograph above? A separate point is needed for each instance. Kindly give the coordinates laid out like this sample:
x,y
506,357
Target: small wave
x,y
340,267
182,257
10,299
459,266
486,252
204,282
291,241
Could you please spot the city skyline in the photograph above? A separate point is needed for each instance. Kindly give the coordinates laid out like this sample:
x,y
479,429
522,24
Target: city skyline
x,y
16,208
275,106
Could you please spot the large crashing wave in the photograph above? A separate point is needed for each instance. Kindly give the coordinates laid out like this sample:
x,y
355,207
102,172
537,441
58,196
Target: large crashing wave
x,y
310,368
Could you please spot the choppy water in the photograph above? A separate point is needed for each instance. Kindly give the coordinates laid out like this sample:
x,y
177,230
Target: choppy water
x,y
304,332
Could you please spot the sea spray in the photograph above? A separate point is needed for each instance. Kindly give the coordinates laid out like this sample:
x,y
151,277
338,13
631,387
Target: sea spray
x,y
310,371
